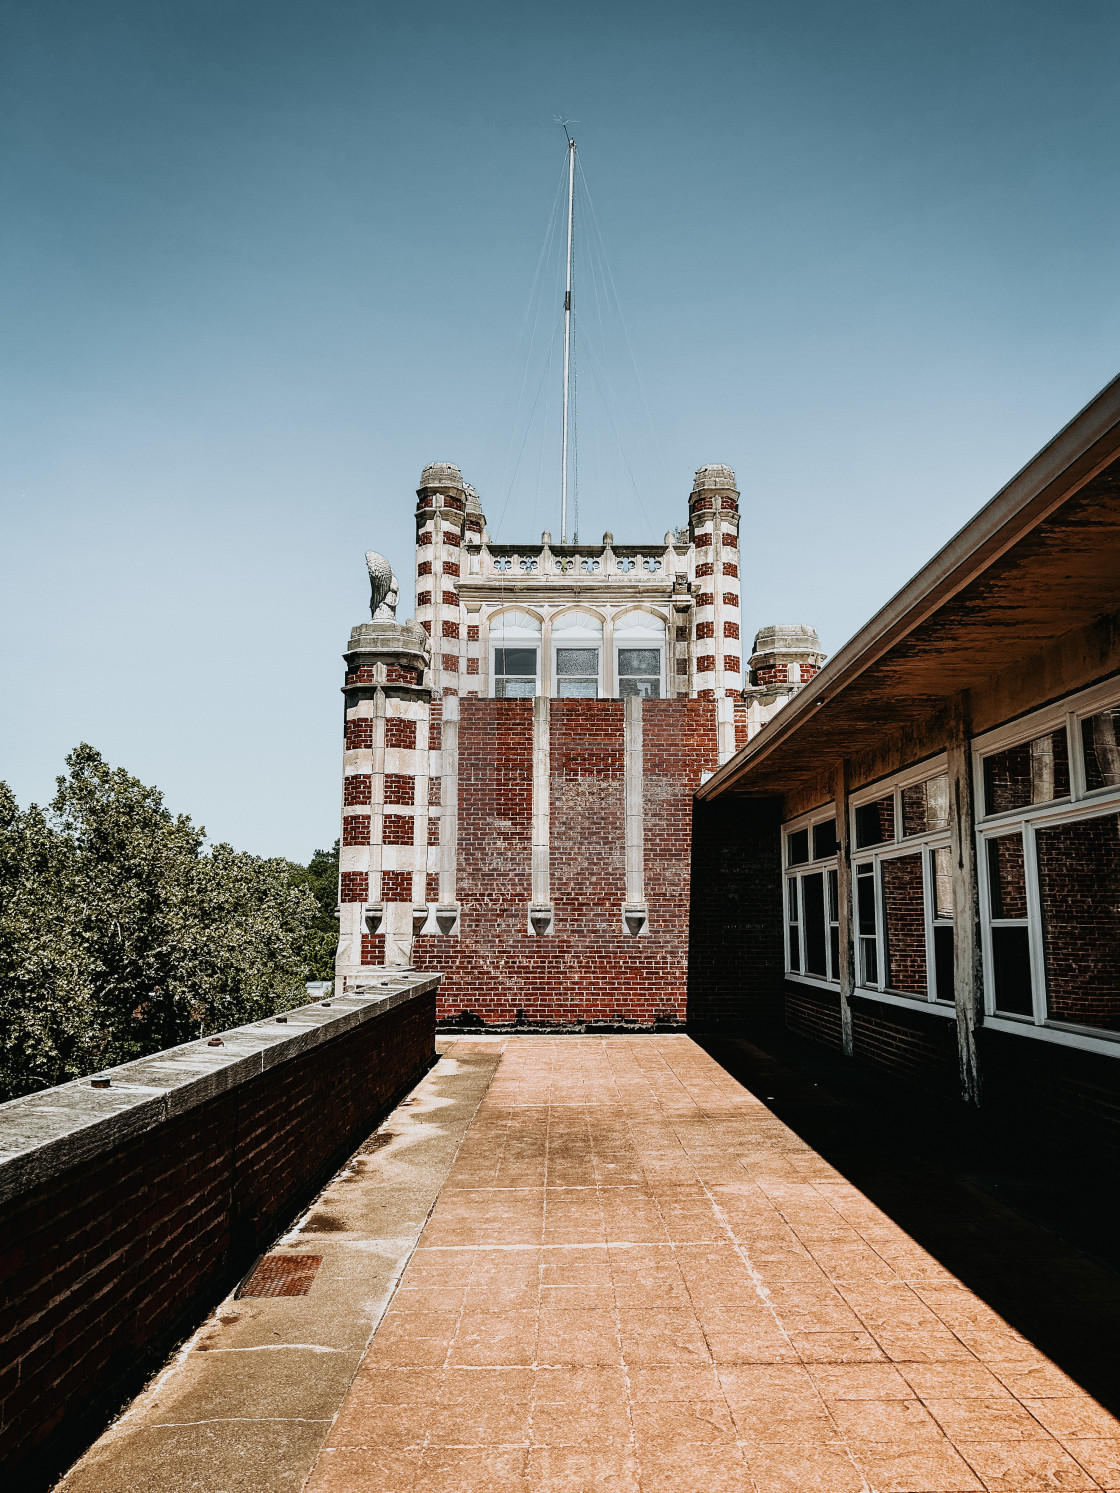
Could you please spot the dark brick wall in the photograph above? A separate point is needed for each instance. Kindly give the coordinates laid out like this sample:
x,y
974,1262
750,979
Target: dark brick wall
x,y
813,1013
106,1266
1058,1098
735,931
913,1045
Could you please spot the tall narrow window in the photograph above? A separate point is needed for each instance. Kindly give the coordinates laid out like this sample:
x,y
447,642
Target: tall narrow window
x,y
941,876
1079,889
867,925
816,940
833,922
515,673
904,924
1011,955
1100,739
794,925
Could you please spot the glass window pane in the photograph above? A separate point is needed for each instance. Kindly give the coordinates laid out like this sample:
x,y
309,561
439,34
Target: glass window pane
x,y
639,661
1100,737
1034,772
1011,970
515,661
944,984
943,883
791,898
577,661
914,809
925,806
794,950
875,822
1007,879
812,891
824,839
577,689
1079,889
937,802
865,900
641,689
515,689
869,961
797,847
904,922
834,950
833,898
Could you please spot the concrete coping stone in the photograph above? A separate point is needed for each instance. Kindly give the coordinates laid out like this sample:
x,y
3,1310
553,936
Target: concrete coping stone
x,y
52,1131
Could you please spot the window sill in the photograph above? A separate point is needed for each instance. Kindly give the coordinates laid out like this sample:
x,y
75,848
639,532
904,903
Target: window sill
x,y
907,1002
1058,1036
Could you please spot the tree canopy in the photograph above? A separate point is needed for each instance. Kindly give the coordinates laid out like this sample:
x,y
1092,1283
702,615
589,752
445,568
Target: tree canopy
x,y
122,932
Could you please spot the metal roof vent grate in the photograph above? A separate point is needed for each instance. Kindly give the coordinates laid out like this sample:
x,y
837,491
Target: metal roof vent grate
x,y
282,1275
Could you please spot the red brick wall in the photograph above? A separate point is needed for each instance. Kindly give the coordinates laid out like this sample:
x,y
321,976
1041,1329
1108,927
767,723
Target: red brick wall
x,y
398,829
354,886
400,788
400,733
396,886
589,969
359,733
905,919
355,829
109,1264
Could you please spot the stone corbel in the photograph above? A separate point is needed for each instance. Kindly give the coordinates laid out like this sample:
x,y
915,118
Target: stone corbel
x,y
540,920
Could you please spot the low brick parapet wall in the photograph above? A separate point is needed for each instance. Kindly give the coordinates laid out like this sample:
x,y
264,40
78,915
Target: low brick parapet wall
x,y
127,1211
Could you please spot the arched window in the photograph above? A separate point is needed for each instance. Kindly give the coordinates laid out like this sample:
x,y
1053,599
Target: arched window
x,y
515,655
639,641
577,644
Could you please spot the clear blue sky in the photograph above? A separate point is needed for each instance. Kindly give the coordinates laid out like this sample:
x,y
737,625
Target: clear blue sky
x,y
262,261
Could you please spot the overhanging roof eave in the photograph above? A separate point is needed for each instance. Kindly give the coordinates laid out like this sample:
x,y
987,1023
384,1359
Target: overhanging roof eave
x,y
1089,442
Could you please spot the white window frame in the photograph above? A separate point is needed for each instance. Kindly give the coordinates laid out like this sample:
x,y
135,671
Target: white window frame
x,y
583,646
791,873
1081,804
874,855
514,643
662,648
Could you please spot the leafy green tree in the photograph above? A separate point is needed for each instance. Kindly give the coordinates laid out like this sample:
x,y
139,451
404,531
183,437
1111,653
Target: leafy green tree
x,y
121,934
320,877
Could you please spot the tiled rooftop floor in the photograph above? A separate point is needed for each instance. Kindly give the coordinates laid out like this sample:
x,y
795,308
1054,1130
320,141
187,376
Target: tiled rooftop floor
x,y
636,1278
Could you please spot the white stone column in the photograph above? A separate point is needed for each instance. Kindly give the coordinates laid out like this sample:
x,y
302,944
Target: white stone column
x,y
540,907
635,914
449,812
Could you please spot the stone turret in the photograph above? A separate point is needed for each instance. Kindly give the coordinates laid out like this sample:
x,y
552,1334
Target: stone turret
x,y
713,512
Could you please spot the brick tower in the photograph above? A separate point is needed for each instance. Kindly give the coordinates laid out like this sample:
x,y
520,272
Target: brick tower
x,y
520,761
713,516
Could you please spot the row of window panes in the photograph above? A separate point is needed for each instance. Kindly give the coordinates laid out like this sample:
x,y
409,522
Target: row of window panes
x,y
577,673
1037,772
1018,777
